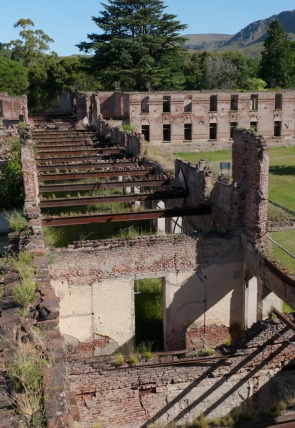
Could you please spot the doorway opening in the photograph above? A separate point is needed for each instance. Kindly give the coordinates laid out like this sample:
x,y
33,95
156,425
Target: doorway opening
x,y
148,301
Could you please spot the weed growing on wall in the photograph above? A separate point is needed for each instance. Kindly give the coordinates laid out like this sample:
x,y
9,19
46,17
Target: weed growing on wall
x,y
16,221
11,179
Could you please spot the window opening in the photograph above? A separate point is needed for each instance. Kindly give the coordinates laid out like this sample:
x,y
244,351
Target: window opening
x,y
278,101
213,103
145,130
166,104
188,131
1,109
254,126
213,131
148,295
145,105
167,132
278,128
188,105
254,102
233,125
234,102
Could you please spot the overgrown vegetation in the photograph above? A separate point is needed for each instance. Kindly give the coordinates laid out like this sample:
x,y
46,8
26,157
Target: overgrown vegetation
x,y
149,315
11,178
24,292
26,371
62,236
16,221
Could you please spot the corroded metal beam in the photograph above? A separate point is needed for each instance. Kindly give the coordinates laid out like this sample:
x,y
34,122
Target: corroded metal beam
x,y
70,202
101,174
127,216
55,188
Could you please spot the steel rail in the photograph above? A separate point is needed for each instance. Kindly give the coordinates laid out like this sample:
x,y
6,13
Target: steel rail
x,y
101,174
55,188
69,202
70,159
127,216
81,166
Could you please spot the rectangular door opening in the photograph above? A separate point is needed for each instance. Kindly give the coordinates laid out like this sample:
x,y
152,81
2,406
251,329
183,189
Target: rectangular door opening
x,y
148,302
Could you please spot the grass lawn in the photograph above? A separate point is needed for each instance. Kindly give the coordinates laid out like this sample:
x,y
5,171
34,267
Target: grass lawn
x,y
281,171
286,238
281,189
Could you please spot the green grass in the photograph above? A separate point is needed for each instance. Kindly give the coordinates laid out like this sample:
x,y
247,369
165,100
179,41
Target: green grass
x,y
149,313
281,177
286,238
62,236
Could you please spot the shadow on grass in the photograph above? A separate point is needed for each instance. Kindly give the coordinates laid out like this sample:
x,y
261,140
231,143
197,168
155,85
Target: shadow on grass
x,y
282,170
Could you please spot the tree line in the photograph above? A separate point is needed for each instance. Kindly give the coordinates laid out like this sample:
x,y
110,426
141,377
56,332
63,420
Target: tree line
x,y
138,48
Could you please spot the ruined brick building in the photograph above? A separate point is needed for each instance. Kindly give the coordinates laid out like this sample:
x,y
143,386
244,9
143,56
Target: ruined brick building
x,y
201,120
217,278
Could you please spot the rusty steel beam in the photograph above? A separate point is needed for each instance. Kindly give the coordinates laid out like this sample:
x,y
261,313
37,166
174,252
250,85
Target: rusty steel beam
x,y
83,150
100,174
127,216
283,318
55,188
69,159
81,166
71,202
282,275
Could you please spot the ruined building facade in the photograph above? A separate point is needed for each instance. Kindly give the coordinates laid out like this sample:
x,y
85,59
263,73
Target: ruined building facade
x,y
200,120
13,109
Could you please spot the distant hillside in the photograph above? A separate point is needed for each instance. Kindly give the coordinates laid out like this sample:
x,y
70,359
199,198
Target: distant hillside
x,y
248,41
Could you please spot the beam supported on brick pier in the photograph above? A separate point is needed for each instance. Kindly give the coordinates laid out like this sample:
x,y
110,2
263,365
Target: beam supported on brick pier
x,y
100,174
105,185
127,216
81,166
69,202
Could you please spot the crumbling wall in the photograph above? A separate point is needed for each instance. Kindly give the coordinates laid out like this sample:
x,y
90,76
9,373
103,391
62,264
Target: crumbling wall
x,y
135,396
92,278
58,410
13,109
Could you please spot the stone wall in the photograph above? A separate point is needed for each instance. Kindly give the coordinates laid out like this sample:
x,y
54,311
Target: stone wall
x,y
58,403
91,278
13,109
160,392
192,108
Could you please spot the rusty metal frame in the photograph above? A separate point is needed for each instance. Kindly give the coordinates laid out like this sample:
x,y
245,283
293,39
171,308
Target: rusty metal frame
x,y
69,202
81,166
101,174
127,216
55,188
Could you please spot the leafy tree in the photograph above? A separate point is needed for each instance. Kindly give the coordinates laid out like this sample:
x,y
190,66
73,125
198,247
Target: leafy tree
x,y
277,64
13,77
140,47
210,70
32,44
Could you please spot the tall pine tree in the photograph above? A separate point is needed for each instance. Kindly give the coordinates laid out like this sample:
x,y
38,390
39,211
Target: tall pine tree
x,y
140,47
277,63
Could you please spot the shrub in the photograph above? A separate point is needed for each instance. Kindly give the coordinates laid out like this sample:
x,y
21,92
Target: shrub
x,y
129,128
24,293
11,181
201,422
16,221
119,359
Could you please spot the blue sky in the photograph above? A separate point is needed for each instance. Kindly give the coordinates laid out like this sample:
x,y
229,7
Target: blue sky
x,y
69,21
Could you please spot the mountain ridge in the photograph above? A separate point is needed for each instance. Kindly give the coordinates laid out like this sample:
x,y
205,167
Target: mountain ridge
x,y
249,40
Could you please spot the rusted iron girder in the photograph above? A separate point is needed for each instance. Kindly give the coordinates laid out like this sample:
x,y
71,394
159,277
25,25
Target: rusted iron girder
x,y
86,166
69,159
101,174
70,202
82,151
127,216
282,275
283,318
55,188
